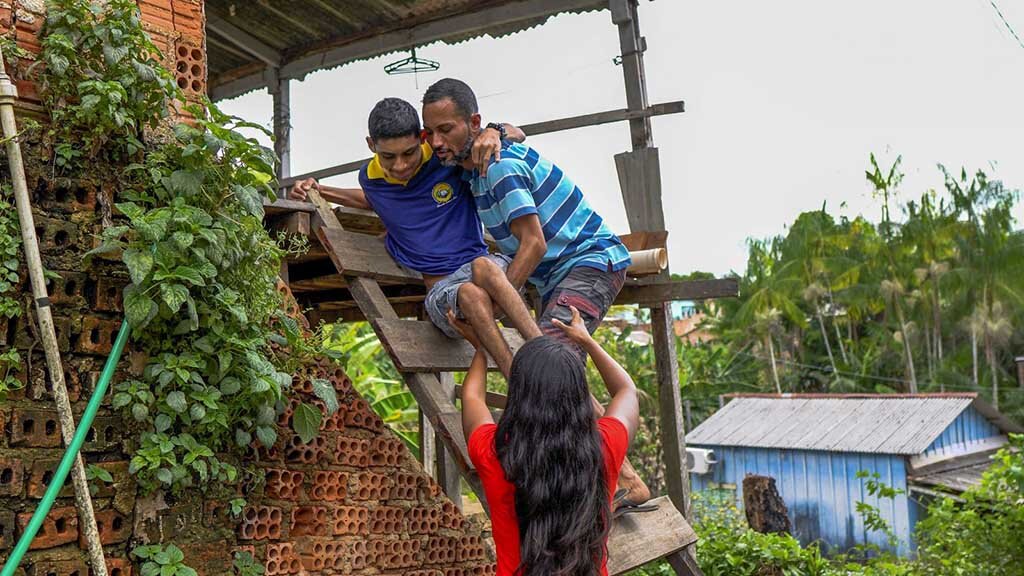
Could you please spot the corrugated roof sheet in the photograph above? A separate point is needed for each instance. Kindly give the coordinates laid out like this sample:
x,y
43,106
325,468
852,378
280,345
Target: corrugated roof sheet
x,y
881,424
299,28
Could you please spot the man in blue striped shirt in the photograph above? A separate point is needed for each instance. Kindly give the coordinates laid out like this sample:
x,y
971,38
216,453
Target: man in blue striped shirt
x,y
534,212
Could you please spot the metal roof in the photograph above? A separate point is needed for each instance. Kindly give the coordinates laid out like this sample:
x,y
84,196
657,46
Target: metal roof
x,y
904,424
301,36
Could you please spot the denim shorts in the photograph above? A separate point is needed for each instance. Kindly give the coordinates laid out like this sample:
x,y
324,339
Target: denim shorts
x,y
444,295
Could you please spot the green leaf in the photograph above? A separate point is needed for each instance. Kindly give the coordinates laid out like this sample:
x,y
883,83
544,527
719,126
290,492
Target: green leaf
x,y
162,422
138,307
197,412
242,438
230,385
164,475
177,402
306,422
121,399
150,569
140,412
139,263
175,554
174,295
249,199
168,570
325,391
189,274
267,435
100,473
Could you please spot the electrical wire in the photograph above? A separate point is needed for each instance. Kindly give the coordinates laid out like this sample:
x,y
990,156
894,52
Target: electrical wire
x,y
1005,23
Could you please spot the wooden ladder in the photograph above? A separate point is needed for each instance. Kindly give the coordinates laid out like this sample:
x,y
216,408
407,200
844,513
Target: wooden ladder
x,y
421,352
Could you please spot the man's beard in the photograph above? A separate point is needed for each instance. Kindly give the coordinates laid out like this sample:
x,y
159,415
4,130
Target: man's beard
x,y
458,158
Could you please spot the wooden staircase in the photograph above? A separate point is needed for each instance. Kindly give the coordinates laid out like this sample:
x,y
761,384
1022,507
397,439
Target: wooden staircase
x,y
421,353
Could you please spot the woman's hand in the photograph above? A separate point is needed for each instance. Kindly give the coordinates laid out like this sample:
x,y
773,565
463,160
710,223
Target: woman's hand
x,y
464,328
577,330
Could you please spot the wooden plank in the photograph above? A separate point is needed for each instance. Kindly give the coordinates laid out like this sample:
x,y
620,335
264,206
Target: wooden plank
x,y
637,539
354,314
672,290
364,256
635,241
632,46
640,180
673,432
418,346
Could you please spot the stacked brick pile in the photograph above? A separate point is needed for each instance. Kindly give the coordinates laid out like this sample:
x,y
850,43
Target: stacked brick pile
x,y
353,501
177,27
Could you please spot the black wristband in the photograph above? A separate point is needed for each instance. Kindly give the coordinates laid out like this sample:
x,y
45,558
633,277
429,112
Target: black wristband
x,y
500,128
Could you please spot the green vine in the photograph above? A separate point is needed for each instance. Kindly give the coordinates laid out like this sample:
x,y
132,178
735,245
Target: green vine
x,y
102,82
202,302
10,247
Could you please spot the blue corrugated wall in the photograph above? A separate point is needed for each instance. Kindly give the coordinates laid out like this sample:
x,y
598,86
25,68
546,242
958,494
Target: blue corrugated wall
x,y
821,491
969,427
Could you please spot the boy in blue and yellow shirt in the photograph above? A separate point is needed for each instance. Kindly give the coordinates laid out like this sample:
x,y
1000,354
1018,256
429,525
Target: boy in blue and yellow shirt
x,y
433,227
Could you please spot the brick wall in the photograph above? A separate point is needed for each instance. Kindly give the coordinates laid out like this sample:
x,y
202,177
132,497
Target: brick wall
x,y
353,501
177,27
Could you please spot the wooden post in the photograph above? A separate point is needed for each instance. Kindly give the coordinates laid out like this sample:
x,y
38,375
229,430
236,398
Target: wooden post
x,y
673,441
1020,371
632,44
280,89
447,470
640,180
428,446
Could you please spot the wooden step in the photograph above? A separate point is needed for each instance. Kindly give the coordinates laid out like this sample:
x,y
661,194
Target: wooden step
x,y
365,256
643,537
418,346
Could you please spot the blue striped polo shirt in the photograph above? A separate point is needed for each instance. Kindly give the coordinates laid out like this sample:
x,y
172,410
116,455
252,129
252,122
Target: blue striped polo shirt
x,y
523,183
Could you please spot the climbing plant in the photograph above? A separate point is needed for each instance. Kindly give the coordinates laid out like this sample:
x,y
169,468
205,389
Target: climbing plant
x,y
102,83
202,302
10,247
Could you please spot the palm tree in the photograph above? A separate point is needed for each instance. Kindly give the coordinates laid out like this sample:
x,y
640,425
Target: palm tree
x,y
767,325
893,292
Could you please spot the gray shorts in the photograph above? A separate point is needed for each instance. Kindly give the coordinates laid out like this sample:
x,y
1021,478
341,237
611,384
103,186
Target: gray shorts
x,y
444,295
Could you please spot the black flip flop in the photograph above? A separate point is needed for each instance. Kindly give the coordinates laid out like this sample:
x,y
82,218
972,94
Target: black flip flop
x,y
623,505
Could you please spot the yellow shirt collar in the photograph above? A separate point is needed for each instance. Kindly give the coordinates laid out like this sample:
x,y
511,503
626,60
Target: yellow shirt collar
x,y
375,171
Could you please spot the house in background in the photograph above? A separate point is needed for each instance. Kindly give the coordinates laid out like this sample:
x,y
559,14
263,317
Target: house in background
x,y
813,445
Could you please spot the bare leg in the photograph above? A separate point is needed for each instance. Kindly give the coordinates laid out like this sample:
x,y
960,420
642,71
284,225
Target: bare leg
x,y
487,275
475,305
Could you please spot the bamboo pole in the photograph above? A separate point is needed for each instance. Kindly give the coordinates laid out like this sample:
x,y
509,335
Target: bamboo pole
x,y
83,502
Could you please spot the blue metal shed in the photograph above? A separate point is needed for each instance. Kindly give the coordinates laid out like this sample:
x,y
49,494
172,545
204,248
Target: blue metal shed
x,y
813,445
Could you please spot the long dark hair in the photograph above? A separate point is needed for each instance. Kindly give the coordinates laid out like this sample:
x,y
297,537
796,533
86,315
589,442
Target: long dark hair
x,y
550,450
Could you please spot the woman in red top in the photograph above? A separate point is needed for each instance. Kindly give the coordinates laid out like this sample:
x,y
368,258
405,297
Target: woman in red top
x,y
549,467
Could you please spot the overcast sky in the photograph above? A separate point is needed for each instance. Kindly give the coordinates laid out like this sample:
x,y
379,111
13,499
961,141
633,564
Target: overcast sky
x,y
784,103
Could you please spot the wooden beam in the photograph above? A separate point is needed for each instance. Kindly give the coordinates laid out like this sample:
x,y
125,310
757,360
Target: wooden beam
x,y
673,290
599,118
535,129
492,399
243,40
